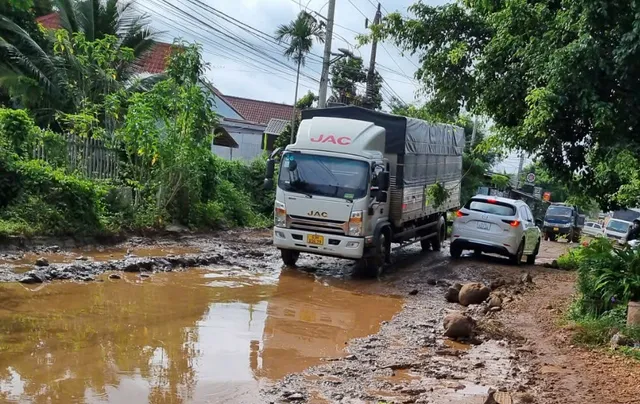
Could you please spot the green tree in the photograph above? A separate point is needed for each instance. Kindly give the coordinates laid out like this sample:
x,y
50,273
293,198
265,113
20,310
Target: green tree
x,y
300,35
346,75
286,137
557,77
45,76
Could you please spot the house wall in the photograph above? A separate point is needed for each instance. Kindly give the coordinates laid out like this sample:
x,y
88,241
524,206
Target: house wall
x,y
249,142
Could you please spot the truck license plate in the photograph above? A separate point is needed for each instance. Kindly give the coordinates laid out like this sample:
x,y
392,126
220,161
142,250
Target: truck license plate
x,y
315,239
556,229
484,226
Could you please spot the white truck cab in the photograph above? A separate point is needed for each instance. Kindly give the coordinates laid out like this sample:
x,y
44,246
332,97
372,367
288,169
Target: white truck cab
x,y
349,186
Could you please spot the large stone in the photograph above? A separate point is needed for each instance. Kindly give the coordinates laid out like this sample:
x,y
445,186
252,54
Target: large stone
x,y
495,301
473,293
458,325
42,262
33,277
452,295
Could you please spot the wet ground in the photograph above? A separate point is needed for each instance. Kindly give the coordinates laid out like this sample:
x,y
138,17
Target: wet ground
x,y
241,329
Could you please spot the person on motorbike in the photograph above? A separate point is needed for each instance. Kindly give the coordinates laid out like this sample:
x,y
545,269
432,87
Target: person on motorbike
x,y
634,233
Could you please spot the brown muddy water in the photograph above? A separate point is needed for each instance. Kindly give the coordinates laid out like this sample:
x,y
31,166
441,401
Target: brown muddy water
x,y
203,336
26,261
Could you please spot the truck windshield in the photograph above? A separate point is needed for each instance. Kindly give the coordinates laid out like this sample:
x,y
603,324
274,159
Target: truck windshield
x,y
559,211
324,176
619,227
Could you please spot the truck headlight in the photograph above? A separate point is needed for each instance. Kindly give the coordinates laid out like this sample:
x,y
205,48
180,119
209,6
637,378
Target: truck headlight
x,y
355,224
280,215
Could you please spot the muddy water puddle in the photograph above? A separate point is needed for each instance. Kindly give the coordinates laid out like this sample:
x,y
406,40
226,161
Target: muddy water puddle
x,y
207,335
26,261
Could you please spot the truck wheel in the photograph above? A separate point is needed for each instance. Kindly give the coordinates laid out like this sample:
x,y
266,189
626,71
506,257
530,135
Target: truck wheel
x,y
289,257
436,243
516,259
531,259
373,265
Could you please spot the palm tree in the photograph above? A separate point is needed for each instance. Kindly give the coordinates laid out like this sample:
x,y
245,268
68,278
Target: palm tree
x,y
300,34
40,78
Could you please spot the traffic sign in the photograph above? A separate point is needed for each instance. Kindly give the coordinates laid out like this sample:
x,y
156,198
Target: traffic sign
x,y
531,178
537,192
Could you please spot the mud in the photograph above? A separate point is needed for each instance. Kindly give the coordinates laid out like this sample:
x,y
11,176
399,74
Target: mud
x,y
237,327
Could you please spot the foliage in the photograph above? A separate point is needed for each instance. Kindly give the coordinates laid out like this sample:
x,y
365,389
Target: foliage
x,y
556,77
75,67
437,194
284,138
346,74
300,35
500,181
53,202
306,101
17,128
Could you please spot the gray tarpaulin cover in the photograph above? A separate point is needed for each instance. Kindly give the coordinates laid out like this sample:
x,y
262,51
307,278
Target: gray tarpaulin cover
x,y
431,152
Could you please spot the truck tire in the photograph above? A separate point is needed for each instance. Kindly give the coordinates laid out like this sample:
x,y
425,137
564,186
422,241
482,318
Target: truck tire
x,y
436,242
289,257
576,236
373,265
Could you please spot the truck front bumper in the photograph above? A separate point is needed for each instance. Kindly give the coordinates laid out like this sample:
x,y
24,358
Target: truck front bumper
x,y
332,244
556,230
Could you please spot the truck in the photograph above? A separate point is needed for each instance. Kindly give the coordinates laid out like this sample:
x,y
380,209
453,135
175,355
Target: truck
x,y
563,220
357,181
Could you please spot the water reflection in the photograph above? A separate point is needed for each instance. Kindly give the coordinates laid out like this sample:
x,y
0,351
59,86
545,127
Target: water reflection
x,y
200,336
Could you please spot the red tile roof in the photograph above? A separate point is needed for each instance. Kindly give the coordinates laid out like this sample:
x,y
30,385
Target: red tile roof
x,y
155,60
260,111
50,21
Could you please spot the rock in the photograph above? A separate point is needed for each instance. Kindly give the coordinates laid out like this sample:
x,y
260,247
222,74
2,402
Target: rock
x,y
497,284
526,278
432,281
145,275
473,293
176,228
42,262
496,308
452,294
295,397
458,325
495,301
33,277
82,258
115,276
619,340
554,264
413,292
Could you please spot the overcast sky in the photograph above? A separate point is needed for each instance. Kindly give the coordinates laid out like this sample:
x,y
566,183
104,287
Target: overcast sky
x,y
256,68
260,77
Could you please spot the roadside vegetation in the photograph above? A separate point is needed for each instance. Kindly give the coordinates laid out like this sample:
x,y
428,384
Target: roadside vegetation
x,y
72,82
608,279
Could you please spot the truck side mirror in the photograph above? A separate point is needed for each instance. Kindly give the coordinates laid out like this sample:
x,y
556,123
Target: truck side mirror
x,y
381,197
268,184
383,180
271,168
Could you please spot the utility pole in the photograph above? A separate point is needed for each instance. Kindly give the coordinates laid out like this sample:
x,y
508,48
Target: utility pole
x,y
473,133
326,61
520,166
371,74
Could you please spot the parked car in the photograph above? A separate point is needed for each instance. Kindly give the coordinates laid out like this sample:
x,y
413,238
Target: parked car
x,y
497,226
593,229
617,230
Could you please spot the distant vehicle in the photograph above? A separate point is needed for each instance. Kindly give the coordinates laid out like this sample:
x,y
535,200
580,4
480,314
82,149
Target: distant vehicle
x,y
593,229
563,220
497,226
617,230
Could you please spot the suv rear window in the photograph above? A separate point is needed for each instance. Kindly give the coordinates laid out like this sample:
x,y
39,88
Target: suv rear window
x,y
495,208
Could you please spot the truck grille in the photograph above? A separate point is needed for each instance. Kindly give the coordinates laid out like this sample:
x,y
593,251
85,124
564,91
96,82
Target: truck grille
x,y
317,225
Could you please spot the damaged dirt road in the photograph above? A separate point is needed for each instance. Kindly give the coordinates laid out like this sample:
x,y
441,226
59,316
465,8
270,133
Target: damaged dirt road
x,y
217,320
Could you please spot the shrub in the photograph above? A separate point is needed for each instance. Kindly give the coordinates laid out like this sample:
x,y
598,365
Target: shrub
x,y
18,129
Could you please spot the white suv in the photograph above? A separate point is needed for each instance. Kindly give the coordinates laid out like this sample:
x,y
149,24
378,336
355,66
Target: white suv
x,y
497,226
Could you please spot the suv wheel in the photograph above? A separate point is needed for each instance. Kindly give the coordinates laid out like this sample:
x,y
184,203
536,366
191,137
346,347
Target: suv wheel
x,y
517,258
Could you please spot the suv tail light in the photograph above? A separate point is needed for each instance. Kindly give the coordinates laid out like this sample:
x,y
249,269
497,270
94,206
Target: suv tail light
x,y
461,214
512,223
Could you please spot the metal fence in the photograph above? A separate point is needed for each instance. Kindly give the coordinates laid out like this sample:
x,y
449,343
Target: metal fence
x,y
89,156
